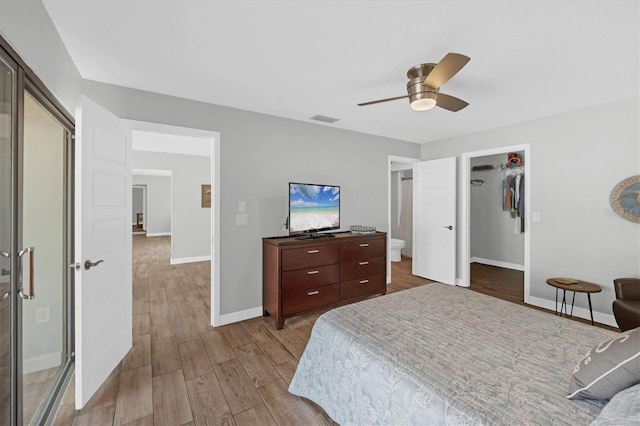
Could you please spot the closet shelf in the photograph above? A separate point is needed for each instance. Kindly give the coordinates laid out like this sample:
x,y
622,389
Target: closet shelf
x,y
498,169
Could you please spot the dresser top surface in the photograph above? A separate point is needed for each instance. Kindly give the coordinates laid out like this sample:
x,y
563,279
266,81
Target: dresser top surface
x,y
339,237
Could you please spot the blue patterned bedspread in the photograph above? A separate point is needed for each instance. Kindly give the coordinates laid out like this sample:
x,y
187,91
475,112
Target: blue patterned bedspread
x,y
439,354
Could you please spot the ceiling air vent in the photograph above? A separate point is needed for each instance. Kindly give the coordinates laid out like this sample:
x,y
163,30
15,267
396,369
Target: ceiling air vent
x,y
324,119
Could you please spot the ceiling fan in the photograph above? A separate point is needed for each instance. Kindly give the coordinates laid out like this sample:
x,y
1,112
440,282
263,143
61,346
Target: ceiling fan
x,y
424,85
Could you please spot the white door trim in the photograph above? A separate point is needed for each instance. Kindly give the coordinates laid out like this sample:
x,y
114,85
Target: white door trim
x,y
215,203
465,176
392,158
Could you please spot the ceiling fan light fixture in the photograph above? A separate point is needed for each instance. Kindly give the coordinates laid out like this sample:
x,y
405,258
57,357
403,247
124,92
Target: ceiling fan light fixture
x,y
423,101
423,104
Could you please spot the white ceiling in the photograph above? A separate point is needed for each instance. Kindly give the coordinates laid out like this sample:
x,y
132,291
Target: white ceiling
x,y
296,59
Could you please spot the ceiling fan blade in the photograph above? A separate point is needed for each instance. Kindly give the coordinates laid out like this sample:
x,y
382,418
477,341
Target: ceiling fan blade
x,y
383,100
445,69
450,102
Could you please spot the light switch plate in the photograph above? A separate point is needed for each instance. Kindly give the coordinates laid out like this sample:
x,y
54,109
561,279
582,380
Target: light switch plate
x,y
242,207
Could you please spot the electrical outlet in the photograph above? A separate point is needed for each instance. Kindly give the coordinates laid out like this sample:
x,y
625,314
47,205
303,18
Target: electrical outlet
x,y
43,314
242,219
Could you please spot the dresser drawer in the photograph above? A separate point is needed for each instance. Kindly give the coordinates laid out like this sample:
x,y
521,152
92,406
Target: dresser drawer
x,y
308,278
362,249
352,269
362,287
310,256
310,299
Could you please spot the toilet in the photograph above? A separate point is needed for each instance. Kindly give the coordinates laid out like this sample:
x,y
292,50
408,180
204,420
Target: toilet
x,y
396,246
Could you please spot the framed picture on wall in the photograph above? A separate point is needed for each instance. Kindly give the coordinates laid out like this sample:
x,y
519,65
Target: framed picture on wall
x,y
206,195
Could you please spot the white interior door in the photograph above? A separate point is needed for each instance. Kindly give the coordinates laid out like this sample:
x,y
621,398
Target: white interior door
x,y
434,220
103,311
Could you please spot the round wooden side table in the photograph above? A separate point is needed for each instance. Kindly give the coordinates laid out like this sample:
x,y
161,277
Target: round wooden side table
x,y
576,286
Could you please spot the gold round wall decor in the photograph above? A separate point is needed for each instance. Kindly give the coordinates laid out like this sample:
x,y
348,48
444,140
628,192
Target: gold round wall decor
x,y
625,199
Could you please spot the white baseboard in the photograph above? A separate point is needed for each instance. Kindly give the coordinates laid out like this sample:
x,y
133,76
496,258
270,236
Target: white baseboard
x,y
158,234
41,362
240,316
180,260
579,312
497,263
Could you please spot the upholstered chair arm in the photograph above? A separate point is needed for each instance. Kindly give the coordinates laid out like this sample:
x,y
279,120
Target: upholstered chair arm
x,y
627,288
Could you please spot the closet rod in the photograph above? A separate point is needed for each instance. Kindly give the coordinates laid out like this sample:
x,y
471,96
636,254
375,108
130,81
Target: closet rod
x,y
404,178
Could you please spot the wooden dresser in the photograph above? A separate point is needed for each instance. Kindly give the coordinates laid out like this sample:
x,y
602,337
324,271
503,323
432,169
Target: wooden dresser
x,y
301,275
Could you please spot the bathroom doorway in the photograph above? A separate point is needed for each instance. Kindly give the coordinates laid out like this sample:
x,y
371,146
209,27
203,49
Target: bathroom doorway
x,y
399,213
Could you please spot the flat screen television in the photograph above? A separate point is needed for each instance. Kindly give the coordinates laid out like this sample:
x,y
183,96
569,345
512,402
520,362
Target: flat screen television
x,y
313,208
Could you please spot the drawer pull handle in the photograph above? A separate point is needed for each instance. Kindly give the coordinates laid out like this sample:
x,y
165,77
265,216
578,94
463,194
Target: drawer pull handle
x,y
363,263
313,293
364,245
313,251
313,272
364,281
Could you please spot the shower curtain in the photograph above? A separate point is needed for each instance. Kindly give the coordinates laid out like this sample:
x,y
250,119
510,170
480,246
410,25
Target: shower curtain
x,y
406,217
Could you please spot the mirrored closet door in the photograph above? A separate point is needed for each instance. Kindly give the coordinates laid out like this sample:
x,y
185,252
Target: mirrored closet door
x,y
7,107
36,241
43,238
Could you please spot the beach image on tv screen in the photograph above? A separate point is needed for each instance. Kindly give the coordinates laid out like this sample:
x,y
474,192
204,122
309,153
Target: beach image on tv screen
x,y
313,207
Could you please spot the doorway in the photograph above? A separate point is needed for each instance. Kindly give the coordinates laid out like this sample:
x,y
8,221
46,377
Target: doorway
x,y
160,138
154,200
495,219
400,171
139,209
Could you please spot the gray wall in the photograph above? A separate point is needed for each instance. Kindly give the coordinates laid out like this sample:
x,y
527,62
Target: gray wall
x,y
259,155
25,24
576,159
492,233
158,220
191,224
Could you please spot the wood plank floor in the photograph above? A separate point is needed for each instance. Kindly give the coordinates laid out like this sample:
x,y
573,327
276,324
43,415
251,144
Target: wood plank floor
x,y
182,371
508,284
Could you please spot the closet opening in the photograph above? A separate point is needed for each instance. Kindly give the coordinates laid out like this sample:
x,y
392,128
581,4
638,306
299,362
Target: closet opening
x,y
495,231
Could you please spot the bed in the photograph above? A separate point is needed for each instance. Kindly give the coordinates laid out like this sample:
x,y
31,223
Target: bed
x,y
439,354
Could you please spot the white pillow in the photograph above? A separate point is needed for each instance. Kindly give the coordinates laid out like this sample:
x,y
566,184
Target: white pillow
x,y
623,409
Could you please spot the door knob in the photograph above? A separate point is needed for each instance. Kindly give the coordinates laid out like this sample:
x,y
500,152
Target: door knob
x,y
450,228
89,264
